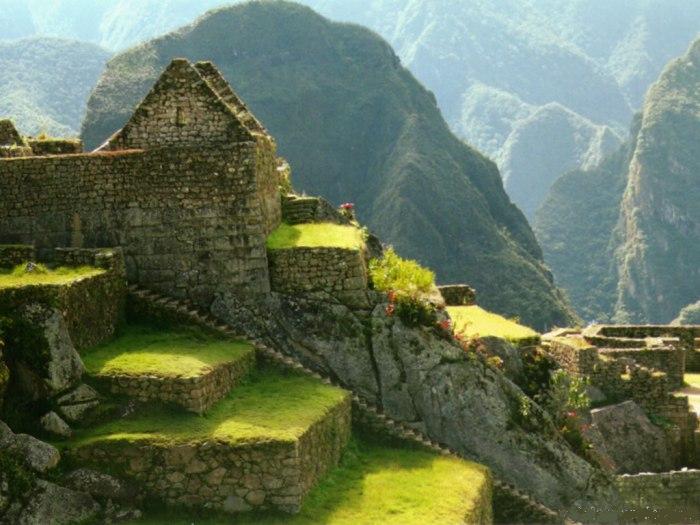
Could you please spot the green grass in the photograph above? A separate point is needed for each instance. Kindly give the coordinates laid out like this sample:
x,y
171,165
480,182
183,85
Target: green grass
x,y
41,275
693,380
322,235
406,277
144,350
272,407
475,321
374,484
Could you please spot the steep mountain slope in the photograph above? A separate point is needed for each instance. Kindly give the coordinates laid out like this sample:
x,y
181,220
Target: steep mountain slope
x,y
652,191
45,83
543,145
379,142
596,58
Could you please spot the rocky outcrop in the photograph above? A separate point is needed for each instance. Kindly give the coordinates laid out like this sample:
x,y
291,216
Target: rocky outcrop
x,y
38,456
51,503
615,427
426,380
62,367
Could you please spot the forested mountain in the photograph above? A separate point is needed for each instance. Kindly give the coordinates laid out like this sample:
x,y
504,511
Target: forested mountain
x,y
494,65
624,238
356,126
45,83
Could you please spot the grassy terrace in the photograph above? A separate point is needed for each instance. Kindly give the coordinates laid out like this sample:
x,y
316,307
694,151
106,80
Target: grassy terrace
x,y
144,350
374,484
322,235
474,320
41,275
273,406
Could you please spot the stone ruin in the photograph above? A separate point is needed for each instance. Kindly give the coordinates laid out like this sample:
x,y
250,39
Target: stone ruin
x,y
188,188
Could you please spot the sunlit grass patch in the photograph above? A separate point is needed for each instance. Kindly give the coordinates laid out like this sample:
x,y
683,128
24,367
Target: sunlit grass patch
x,y
30,274
321,235
377,484
273,406
475,321
144,350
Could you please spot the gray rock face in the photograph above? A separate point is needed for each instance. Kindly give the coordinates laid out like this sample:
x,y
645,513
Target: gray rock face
x,y
55,505
75,405
64,368
98,485
429,382
39,456
627,442
53,424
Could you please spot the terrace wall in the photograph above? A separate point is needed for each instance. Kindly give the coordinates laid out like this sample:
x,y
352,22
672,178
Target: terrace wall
x,y
339,272
229,477
192,221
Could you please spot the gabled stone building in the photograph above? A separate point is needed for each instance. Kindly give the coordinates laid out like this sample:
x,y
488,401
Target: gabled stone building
x,y
188,187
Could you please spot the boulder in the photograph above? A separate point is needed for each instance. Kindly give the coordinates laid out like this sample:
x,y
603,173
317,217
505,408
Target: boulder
x,y
50,503
98,485
63,368
39,456
625,441
52,424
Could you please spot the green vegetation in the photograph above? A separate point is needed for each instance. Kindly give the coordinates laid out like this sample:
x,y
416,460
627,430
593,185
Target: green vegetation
x,y
381,144
404,277
693,380
143,350
474,321
375,484
620,258
689,315
39,274
46,82
272,406
324,235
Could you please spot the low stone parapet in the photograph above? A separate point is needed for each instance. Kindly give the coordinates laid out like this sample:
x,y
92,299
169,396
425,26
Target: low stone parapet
x,y
13,254
669,497
231,477
458,295
196,394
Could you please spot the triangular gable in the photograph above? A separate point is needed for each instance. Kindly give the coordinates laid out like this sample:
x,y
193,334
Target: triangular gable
x,y
218,83
181,109
9,136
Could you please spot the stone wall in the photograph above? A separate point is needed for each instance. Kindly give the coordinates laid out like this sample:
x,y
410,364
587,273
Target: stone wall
x,y
620,336
13,254
196,394
670,497
92,307
191,221
458,294
182,109
339,272
298,209
667,359
230,477
44,147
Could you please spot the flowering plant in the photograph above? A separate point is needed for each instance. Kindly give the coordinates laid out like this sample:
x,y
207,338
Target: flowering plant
x,y
348,210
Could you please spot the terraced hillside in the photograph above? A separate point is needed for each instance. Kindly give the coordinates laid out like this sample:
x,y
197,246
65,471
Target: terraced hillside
x,y
382,145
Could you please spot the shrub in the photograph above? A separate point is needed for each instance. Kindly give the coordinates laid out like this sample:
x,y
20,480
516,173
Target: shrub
x,y
408,285
405,277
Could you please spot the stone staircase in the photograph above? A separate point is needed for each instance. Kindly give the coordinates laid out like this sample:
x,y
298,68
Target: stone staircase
x,y
263,444
511,505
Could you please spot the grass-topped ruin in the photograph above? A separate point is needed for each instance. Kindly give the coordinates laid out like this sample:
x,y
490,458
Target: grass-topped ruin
x,y
240,349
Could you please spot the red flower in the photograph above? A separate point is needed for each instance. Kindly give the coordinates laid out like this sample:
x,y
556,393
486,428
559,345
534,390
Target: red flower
x,y
571,414
347,205
446,324
390,310
391,296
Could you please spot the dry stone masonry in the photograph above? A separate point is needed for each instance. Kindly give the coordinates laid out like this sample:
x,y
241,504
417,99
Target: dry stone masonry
x,y
188,188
